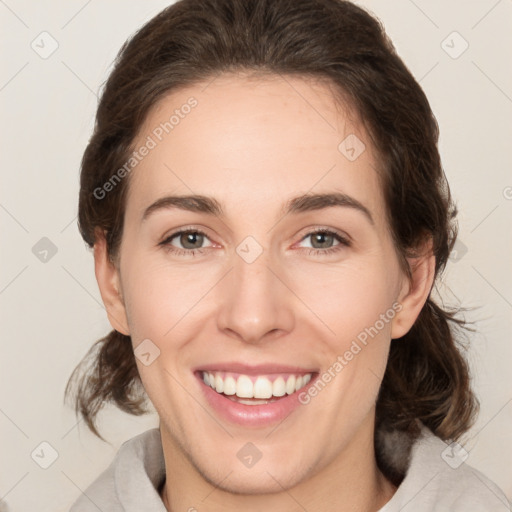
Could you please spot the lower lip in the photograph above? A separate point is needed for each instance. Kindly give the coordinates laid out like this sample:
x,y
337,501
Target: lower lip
x,y
251,415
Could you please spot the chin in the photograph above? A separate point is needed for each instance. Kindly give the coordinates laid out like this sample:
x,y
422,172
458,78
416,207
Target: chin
x,y
256,482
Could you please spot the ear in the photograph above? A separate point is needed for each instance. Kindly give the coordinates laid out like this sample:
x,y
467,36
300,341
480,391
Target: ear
x,y
107,275
414,291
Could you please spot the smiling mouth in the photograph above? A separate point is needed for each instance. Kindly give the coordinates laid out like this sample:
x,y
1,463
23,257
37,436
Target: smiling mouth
x,y
255,389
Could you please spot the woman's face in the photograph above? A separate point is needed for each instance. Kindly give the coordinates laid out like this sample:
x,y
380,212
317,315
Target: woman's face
x,y
253,296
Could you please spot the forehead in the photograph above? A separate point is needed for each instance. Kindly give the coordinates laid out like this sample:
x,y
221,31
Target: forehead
x,y
253,143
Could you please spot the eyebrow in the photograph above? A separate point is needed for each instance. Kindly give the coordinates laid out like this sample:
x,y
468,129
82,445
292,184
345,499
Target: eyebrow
x,y
299,204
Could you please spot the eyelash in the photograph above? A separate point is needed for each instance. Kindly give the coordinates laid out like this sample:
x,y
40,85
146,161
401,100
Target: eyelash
x,y
343,242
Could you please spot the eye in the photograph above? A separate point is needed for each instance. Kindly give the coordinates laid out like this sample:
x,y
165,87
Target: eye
x,y
322,240
191,241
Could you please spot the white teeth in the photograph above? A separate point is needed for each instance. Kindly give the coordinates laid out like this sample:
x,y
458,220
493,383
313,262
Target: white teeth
x,y
219,384
229,386
254,401
279,387
263,388
290,385
244,387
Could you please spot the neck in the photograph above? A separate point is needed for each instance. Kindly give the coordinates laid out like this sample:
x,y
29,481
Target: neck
x,y
350,482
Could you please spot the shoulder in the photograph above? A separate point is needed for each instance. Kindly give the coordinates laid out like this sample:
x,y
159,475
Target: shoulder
x,y
439,479
130,482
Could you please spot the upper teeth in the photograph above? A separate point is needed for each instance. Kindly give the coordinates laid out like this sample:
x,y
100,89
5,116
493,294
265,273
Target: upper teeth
x,y
243,386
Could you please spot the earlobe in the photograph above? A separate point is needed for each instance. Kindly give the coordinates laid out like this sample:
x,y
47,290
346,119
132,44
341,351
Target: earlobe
x,y
107,276
414,292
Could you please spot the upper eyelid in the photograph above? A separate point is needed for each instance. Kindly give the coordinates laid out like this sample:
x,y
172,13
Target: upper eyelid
x,y
182,231
337,232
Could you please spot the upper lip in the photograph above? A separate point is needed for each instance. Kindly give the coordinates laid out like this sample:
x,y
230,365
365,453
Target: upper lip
x,y
260,369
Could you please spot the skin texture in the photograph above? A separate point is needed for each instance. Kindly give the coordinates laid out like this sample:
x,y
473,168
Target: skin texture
x,y
253,145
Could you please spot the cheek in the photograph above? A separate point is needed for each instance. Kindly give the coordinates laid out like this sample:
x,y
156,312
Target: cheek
x,y
148,289
357,303
350,297
161,297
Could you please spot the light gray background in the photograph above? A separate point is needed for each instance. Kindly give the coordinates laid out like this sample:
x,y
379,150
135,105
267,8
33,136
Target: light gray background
x,y
51,312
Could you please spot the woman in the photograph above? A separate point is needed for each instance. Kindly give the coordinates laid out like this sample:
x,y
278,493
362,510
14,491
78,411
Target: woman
x,y
268,212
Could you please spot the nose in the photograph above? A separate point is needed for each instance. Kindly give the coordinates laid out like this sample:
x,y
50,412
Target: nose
x,y
256,304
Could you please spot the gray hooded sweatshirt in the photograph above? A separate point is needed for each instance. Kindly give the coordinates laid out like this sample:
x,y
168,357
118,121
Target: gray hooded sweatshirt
x,y
436,479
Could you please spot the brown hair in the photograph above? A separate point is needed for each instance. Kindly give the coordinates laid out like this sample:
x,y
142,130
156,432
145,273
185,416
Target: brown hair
x,y
191,41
